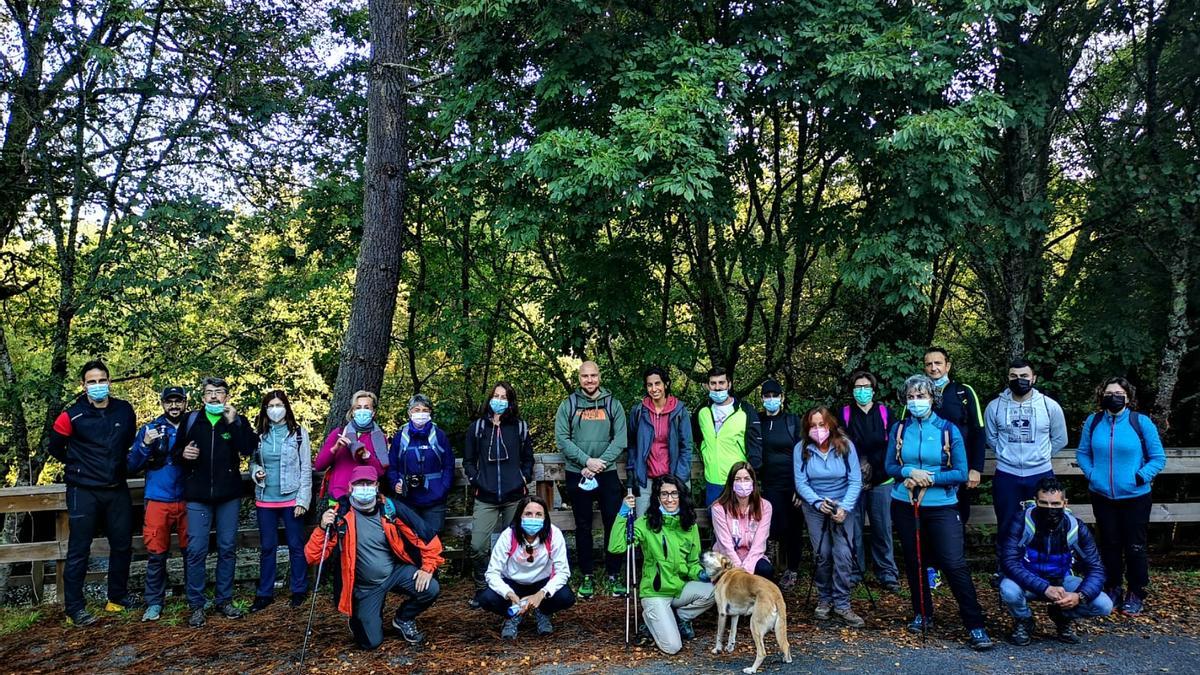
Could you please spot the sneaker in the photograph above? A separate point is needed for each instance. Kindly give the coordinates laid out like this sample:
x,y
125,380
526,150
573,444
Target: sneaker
x,y
544,627
297,599
685,630
1064,626
113,607
821,613
787,580
849,618
228,611
978,640
643,638
152,613
196,620
920,624
616,587
81,618
408,629
1022,632
473,601
588,587
261,602
508,629
994,580
1133,604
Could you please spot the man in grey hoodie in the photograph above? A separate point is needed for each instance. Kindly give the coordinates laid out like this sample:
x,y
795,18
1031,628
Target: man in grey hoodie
x,y
1024,427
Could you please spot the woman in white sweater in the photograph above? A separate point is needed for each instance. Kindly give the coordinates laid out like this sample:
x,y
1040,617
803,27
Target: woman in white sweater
x,y
528,571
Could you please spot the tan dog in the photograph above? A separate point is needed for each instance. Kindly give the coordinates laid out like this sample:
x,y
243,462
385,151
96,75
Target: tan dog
x,y
739,593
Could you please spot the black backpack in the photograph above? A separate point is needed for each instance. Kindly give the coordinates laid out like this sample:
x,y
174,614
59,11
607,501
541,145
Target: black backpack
x,y
1135,420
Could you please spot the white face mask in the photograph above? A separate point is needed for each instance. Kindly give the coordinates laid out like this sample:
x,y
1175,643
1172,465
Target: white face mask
x,y
420,418
276,413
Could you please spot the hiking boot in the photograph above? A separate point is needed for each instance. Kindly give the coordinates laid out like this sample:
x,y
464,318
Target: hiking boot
x,y
920,624
261,602
297,599
408,629
890,585
588,587
787,580
228,611
994,580
81,618
1133,604
849,618
1064,626
685,630
473,601
152,613
643,638
978,640
508,629
1022,632
196,620
821,613
544,627
616,587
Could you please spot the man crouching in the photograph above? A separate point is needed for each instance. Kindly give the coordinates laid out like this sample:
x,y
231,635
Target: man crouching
x,y
384,547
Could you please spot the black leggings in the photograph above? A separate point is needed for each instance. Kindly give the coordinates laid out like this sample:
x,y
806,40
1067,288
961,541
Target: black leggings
x,y
1124,525
787,527
941,547
609,493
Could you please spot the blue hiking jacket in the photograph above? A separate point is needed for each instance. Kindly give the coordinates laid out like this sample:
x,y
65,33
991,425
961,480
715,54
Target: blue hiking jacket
x,y
1112,458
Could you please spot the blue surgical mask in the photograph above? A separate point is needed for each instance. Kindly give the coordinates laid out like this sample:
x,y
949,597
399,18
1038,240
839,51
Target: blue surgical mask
x,y
773,404
719,396
214,408
363,496
97,392
532,526
498,405
920,407
589,484
863,395
669,513
941,381
363,417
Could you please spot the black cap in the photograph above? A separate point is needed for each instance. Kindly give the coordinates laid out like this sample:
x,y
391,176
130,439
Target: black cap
x,y
173,392
771,387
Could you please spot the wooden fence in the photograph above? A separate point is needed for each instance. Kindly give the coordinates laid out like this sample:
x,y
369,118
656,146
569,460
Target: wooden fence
x,y
549,472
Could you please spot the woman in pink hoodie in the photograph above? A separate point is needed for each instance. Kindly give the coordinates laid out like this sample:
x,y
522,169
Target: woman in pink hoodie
x,y
741,520
359,442
660,437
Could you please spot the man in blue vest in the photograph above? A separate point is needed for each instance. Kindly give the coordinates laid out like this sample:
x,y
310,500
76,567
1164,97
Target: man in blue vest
x,y
1038,551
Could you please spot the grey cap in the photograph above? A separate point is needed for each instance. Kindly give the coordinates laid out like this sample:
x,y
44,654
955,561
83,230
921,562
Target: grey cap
x,y
419,399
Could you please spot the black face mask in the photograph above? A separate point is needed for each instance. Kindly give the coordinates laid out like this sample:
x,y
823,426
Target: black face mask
x,y
1020,387
1114,403
1048,519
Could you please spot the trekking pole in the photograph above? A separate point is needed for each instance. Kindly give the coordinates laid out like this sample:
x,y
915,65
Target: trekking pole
x,y
316,590
629,562
817,558
916,504
854,564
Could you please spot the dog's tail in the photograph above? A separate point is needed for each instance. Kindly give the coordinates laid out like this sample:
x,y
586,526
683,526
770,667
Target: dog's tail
x,y
781,629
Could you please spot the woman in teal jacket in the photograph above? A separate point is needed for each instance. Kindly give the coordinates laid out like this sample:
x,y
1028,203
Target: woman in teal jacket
x,y
1120,453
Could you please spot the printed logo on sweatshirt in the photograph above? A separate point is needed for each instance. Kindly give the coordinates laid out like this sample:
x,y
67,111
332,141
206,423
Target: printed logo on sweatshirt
x,y
593,415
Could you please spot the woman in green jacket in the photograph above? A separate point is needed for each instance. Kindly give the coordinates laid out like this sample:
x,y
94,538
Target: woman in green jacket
x,y
673,587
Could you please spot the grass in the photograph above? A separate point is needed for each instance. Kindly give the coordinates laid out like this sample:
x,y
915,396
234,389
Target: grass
x,y
17,619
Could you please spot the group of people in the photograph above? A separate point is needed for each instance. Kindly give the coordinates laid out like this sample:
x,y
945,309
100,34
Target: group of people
x,y
832,470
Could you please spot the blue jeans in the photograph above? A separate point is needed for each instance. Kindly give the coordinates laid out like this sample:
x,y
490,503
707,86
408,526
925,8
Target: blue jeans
x,y
268,532
711,492
202,517
1008,491
434,515
875,503
1016,599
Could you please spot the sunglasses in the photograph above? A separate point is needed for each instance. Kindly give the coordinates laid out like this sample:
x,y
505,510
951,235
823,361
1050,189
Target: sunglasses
x,y
529,551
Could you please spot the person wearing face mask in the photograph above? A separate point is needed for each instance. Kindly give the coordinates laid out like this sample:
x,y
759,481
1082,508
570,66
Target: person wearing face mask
x,y
926,458
867,425
590,431
780,433
1120,452
729,431
92,439
498,461
828,480
382,547
1025,428
210,448
1042,554
672,587
421,463
359,442
741,521
165,509
957,403
528,571
282,473
660,436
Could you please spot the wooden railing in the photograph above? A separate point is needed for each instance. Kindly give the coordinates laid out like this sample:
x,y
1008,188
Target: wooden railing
x,y
549,472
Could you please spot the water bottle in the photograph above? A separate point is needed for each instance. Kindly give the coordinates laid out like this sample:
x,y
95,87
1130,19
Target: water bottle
x,y
935,578
516,607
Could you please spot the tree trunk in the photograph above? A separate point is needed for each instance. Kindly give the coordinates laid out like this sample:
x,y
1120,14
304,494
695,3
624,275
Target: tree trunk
x,y
1179,331
365,347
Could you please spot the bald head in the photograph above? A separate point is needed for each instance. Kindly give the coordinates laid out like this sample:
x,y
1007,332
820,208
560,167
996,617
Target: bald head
x,y
589,377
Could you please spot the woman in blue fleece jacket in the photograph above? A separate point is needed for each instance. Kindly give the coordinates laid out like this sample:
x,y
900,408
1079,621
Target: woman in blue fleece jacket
x,y
1120,453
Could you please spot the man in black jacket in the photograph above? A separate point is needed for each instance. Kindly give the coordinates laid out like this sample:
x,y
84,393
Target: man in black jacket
x,y
210,447
958,404
92,438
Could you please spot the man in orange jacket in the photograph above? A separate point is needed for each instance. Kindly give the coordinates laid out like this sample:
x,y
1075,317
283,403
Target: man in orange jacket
x,y
383,547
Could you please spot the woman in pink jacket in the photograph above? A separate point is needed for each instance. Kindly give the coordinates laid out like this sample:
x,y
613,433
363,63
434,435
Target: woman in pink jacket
x,y
360,441
741,519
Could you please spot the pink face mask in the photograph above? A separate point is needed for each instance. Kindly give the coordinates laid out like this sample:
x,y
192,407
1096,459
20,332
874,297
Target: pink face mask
x,y
743,488
819,434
